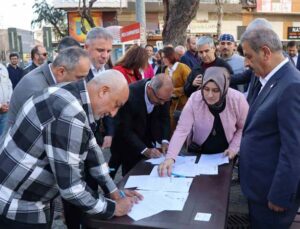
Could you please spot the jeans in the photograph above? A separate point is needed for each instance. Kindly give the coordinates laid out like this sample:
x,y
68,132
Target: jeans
x,y
3,120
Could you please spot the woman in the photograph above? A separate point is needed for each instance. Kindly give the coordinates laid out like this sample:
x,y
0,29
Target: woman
x,y
179,73
214,115
134,60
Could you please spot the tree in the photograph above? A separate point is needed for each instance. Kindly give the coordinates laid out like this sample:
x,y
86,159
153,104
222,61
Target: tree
x,y
85,14
178,14
220,16
49,15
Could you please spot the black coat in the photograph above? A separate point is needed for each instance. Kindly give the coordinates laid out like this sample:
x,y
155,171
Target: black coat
x,y
136,130
200,69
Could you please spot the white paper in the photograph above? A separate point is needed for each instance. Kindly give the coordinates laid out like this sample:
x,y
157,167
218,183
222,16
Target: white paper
x,y
213,159
168,184
155,202
179,160
202,216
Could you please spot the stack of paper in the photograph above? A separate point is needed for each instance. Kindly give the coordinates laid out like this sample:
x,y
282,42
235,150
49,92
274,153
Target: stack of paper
x,y
213,159
179,160
155,202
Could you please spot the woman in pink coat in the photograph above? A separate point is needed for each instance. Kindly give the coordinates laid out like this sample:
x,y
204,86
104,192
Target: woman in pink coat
x,y
214,116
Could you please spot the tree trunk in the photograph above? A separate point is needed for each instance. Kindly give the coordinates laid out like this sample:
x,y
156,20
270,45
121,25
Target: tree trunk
x,y
220,17
177,16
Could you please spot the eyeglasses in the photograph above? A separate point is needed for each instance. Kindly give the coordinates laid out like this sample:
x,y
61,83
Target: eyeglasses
x,y
159,98
43,54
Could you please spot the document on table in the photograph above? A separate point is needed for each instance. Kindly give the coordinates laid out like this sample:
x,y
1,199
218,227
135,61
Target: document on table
x,y
167,184
189,170
213,159
179,160
155,202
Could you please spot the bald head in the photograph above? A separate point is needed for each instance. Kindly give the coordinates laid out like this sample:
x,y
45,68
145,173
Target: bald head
x,y
108,92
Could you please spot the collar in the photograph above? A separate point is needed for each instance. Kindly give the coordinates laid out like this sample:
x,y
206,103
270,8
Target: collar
x,y
172,69
52,75
97,71
264,80
149,105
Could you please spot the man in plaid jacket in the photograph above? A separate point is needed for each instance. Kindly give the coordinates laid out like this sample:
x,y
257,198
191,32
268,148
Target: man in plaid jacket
x,y
45,151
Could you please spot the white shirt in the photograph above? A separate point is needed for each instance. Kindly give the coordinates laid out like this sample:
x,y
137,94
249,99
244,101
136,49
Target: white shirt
x,y
149,105
295,58
53,77
5,86
264,80
97,72
171,70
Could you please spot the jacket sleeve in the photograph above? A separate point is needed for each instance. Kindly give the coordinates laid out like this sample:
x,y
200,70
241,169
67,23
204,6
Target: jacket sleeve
x,y
285,184
188,86
183,128
241,78
242,112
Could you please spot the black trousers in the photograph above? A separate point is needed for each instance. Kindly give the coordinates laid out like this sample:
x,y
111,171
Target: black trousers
x,y
261,217
6,223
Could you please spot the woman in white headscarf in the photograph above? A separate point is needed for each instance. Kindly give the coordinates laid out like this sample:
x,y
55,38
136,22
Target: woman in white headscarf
x,y
214,116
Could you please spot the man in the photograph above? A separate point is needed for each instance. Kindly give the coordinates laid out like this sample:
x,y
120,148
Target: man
x,y
191,58
38,57
236,62
67,42
180,51
46,149
292,49
144,121
150,52
5,92
269,153
14,71
206,50
99,45
71,64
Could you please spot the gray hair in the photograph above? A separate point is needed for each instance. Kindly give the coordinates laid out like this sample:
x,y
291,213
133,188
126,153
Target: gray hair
x,y
69,57
98,33
159,80
260,37
259,23
179,48
203,40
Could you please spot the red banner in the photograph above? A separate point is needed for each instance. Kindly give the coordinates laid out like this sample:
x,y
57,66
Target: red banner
x,y
130,32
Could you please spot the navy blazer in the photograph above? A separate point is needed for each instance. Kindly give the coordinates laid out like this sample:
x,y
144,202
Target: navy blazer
x,y
270,146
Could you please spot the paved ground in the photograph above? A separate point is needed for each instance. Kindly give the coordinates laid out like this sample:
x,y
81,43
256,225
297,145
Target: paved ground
x,y
237,204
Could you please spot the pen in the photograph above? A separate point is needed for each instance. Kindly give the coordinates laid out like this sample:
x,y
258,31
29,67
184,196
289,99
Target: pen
x,y
122,194
177,175
111,169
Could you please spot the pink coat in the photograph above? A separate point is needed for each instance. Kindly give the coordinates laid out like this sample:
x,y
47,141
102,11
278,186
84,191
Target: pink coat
x,y
197,118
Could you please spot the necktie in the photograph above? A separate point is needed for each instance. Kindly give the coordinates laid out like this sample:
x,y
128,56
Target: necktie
x,y
256,90
292,60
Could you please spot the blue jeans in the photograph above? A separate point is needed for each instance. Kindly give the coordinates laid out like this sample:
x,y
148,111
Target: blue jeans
x,y
3,120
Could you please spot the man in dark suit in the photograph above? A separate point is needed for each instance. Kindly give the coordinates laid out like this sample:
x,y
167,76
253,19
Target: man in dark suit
x,y
269,153
144,121
292,49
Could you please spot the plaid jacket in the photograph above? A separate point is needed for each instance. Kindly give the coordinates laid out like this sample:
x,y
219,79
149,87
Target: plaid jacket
x,y
44,153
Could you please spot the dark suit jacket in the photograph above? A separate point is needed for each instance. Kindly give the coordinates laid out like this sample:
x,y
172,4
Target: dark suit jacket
x,y
108,122
270,146
298,63
131,136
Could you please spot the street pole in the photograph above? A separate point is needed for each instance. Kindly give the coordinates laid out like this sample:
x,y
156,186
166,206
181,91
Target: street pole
x,y
141,18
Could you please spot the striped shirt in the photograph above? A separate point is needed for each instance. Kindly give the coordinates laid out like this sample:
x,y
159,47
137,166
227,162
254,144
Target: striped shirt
x,y
44,153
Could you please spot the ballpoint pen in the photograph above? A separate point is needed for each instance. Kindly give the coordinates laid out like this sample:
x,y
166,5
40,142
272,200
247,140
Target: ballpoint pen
x,y
122,194
177,175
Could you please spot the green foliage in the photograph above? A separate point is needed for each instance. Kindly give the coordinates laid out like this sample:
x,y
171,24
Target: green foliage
x,y
47,14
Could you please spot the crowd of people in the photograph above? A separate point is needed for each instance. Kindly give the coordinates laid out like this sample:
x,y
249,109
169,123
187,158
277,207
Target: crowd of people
x,y
57,117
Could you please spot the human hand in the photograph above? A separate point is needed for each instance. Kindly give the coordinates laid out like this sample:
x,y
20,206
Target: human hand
x,y
275,208
164,147
152,153
166,166
134,194
123,206
4,108
197,82
106,142
231,154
